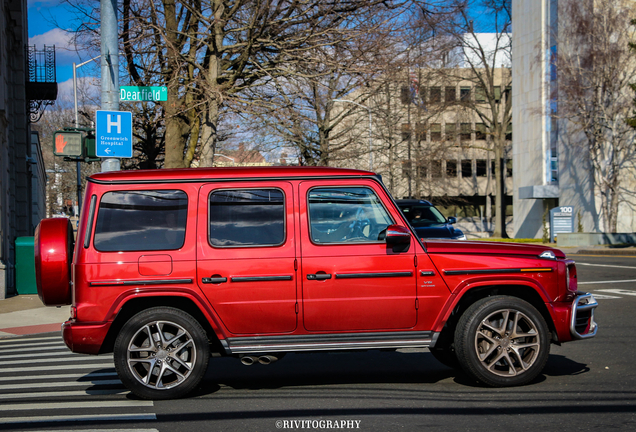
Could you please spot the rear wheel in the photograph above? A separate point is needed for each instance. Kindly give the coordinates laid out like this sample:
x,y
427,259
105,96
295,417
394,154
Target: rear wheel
x,y
502,341
161,353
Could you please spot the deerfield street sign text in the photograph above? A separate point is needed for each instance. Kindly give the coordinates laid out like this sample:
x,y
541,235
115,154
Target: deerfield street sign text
x,y
143,94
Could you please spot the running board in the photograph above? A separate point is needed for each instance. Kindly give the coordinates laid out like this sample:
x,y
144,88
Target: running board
x,y
330,342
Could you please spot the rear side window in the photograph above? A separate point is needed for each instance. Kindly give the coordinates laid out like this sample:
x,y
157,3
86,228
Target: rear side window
x,y
247,217
141,221
346,215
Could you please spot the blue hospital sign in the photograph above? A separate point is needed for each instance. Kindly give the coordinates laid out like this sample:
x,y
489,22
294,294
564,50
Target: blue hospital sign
x,y
113,134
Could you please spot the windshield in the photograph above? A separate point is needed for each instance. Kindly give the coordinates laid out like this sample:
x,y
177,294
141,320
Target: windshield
x,y
423,215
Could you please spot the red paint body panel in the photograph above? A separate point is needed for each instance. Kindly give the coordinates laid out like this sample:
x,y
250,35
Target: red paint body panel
x,y
419,299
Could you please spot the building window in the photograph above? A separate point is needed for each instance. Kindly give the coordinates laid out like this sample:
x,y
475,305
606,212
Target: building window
x,y
436,132
480,131
497,94
420,131
464,94
436,168
422,169
405,95
480,94
509,132
509,168
450,132
481,165
451,168
406,131
450,94
435,95
406,169
466,131
467,168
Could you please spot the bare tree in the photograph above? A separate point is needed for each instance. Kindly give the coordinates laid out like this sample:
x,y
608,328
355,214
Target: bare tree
x,y
480,31
595,68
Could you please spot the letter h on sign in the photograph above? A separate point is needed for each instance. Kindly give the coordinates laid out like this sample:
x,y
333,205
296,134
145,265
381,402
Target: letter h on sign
x,y
110,123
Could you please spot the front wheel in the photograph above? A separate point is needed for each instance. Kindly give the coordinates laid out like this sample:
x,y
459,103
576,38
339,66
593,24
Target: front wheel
x,y
502,341
161,353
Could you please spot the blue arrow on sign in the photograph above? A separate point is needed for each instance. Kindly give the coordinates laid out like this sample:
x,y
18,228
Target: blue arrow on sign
x,y
113,134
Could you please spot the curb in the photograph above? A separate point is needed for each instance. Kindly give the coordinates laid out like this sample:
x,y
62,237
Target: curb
x,y
609,252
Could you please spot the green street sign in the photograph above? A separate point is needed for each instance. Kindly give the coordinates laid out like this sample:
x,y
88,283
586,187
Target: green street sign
x,y
143,94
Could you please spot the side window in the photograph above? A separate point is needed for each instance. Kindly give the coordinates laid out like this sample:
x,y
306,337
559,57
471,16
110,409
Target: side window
x,y
247,217
346,215
141,221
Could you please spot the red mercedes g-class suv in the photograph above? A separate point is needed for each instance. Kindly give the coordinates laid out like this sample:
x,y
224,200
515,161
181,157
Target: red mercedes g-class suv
x,y
172,266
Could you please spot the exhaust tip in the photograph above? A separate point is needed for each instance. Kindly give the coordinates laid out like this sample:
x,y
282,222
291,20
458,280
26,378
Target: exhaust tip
x,y
248,360
267,359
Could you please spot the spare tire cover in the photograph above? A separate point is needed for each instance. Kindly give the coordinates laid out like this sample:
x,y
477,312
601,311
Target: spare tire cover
x,y
53,255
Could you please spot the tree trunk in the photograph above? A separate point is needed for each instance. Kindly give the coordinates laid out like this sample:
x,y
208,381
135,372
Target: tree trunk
x,y
209,125
500,204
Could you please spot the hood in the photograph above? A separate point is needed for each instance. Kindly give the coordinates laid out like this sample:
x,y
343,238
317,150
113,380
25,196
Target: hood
x,y
442,231
487,248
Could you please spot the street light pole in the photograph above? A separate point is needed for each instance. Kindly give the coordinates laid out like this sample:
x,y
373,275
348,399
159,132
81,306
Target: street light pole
x,y
370,129
78,163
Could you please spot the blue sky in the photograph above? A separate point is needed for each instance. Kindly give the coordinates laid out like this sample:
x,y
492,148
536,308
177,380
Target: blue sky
x,y
44,17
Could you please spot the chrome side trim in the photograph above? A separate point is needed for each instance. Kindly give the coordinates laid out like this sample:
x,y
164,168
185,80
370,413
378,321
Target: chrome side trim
x,y
141,282
373,275
498,271
582,303
351,341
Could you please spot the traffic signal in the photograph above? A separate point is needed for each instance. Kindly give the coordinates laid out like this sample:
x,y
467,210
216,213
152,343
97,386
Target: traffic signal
x,y
67,143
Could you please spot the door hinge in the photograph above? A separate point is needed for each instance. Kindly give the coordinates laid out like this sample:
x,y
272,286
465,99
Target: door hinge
x,y
296,308
417,304
295,265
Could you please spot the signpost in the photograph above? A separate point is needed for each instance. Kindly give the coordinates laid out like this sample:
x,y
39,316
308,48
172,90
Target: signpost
x,y
143,94
561,221
113,134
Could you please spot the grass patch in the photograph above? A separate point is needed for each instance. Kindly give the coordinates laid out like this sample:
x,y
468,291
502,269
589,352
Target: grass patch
x,y
509,240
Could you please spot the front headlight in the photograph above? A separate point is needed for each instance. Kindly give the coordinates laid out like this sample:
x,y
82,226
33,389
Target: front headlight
x,y
461,237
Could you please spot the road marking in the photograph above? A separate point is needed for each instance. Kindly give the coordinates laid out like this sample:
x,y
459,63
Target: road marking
x,y
61,367
606,282
30,346
78,405
57,360
64,393
23,339
619,291
22,349
63,376
76,417
606,265
57,384
604,297
66,353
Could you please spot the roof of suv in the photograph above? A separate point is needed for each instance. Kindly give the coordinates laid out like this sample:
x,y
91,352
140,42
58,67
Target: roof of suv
x,y
229,173
413,202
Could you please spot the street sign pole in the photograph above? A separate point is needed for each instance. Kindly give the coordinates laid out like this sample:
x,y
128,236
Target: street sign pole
x,y
110,68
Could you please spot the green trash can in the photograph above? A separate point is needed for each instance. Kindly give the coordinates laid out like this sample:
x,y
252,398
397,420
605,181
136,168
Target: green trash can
x,y
25,265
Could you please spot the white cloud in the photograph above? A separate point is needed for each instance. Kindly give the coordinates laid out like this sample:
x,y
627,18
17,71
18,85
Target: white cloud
x,y
88,90
63,41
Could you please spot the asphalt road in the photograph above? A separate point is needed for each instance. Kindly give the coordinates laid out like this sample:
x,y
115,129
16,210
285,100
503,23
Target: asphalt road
x,y
586,385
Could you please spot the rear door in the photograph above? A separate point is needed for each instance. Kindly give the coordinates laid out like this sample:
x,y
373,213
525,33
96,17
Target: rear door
x,y
351,280
246,255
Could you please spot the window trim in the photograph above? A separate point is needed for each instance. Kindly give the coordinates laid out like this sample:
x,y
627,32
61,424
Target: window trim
x,y
248,246
311,238
96,217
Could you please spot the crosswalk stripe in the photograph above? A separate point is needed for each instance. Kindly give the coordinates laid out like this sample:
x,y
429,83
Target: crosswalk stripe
x,y
16,340
77,417
58,384
31,347
64,393
58,376
57,360
60,367
77,405
38,348
66,353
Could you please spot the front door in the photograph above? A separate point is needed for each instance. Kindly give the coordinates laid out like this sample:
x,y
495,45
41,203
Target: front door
x,y
246,255
351,279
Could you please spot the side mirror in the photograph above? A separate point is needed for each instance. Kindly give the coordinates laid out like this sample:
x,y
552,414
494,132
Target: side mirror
x,y
452,220
398,235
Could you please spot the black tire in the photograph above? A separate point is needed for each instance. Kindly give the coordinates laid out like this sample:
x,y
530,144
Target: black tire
x,y
446,356
492,351
161,353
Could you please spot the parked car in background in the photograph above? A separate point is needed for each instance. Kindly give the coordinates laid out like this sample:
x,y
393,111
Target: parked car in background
x,y
428,222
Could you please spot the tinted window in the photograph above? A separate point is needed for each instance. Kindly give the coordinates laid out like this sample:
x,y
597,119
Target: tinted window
x,y
247,217
141,220
423,215
346,215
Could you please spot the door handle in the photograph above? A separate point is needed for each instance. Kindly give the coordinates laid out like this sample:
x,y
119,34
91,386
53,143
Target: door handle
x,y
214,280
319,276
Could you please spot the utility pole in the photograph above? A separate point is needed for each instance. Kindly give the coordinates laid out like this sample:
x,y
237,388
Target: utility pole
x,y
110,68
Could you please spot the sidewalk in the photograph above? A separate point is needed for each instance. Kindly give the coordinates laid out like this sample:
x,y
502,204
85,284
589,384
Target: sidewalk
x,y
25,315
